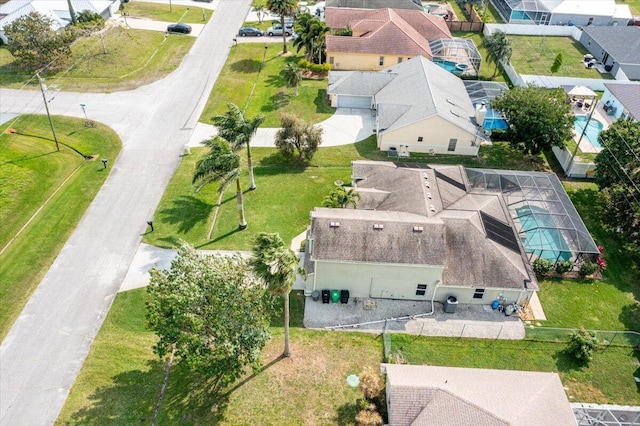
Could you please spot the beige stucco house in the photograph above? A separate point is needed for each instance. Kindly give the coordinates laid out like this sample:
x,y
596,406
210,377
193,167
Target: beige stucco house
x,y
418,234
438,396
419,107
380,37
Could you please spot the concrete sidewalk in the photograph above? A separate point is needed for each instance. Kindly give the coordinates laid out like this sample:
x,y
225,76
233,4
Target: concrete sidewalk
x,y
344,127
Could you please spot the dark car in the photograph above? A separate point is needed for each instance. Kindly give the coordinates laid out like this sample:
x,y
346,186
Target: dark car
x,y
179,28
250,31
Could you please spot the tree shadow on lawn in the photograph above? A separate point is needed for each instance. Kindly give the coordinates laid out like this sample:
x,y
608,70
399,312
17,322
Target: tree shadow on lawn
x,y
630,317
566,362
346,414
277,101
322,102
246,66
276,80
187,211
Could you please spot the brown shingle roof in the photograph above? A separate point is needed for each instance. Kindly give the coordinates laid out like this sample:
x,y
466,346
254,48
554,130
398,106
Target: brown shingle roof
x,y
386,31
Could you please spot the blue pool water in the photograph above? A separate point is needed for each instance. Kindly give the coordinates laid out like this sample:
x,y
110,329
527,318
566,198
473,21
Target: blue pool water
x,y
593,131
493,121
520,14
447,65
541,235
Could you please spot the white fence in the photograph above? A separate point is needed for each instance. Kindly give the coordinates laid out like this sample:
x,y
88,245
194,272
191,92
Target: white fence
x,y
536,30
551,82
577,169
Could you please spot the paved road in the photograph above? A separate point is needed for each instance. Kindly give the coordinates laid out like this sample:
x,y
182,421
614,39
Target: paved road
x,y
42,354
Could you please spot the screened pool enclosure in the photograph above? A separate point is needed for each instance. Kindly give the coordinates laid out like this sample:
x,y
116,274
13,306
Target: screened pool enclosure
x,y
523,11
459,56
544,217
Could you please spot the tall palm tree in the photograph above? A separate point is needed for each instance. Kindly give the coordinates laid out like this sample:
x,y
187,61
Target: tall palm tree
x,y
277,265
221,163
283,8
259,10
311,35
236,128
499,49
341,198
293,76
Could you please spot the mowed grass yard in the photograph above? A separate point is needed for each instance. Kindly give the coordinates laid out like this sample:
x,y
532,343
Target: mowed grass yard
x,y
134,58
535,55
30,172
121,378
271,96
166,12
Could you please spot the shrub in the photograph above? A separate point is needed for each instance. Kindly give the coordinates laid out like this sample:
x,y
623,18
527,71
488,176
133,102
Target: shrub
x,y
371,383
588,268
542,266
314,68
581,345
563,266
369,417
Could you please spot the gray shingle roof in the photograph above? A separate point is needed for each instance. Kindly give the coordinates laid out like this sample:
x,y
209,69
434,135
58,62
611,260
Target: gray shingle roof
x,y
375,4
359,83
622,43
420,395
628,95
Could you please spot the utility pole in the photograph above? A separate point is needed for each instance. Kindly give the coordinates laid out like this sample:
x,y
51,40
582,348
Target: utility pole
x,y
170,7
43,89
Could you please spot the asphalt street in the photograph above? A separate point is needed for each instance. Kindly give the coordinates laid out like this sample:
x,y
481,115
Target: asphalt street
x,y
44,351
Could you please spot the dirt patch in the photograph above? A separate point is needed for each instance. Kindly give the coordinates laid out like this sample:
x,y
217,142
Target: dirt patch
x,y
310,75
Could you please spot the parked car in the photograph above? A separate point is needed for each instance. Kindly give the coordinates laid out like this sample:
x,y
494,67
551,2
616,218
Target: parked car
x,y
250,31
179,28
276,30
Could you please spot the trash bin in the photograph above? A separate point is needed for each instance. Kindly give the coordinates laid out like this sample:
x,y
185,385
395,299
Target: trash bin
x,y
335,296
315,295
450,304
325,296
344,296
495,304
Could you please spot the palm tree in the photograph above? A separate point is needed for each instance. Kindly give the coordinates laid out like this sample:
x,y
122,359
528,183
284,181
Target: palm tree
x,y
277,265
221,163
283,8
236,128
311,34
341,198
499,49
72,13
259,10
293,76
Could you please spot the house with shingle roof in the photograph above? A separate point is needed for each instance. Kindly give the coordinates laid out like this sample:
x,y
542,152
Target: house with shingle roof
x,y
437,396
616,47
380,37
623,100
376,4
419,107
418,234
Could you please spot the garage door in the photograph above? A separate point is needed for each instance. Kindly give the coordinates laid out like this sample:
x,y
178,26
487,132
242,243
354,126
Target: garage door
x,y
345,101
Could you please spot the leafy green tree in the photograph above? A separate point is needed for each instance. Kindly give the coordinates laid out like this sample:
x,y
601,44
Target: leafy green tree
x,y
618,177
277,265
341,198
212,311
296,137
222,164
557,63
283,8
238,129
499,49
581,346
293,76
311,35
538,118
260,11
34,43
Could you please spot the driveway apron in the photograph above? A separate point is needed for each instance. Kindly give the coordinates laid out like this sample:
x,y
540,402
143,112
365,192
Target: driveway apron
x,y
46,347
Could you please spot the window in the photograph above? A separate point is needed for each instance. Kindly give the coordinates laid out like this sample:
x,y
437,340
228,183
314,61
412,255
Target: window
x,y
420,139
399,60
479,293
452,144
381,62
330,60
421,290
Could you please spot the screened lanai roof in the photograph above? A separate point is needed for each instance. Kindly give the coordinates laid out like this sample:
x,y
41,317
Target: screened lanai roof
x,y
484,91
462,53
544,216
520,11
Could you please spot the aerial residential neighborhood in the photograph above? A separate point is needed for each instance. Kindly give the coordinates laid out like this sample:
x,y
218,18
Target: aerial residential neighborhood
x,y
351,212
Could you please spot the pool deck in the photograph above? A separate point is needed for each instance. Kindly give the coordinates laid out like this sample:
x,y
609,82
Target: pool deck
x,y
598,114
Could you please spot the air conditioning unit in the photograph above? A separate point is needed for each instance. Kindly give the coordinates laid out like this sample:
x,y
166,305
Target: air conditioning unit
x,y
432,152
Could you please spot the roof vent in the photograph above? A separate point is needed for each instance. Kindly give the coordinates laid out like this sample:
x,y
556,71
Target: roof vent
x,y
418,228
424,175
334,224
427,185
429,195
378,226
432,207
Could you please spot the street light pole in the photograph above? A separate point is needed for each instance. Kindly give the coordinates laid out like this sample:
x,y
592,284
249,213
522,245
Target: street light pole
x,y
46,107
84,111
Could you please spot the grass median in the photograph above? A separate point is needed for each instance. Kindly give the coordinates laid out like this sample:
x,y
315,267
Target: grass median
x,y
30,171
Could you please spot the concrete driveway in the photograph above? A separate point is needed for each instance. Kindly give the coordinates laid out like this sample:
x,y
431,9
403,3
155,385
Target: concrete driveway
x,y
344,127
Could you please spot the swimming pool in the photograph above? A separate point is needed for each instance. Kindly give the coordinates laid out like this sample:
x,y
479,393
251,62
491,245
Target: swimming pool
x,y
447,65
593,130
520,14
540,235
494,121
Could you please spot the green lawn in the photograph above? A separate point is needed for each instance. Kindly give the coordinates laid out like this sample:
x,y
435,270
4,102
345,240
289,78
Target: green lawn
x,y
134,58
608,379
30,171
486,69
165,12
271,97
460,14
535,55
121,378
634,5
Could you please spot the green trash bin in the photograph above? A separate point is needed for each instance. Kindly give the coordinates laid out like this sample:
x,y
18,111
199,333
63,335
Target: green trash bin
x,y
335,296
